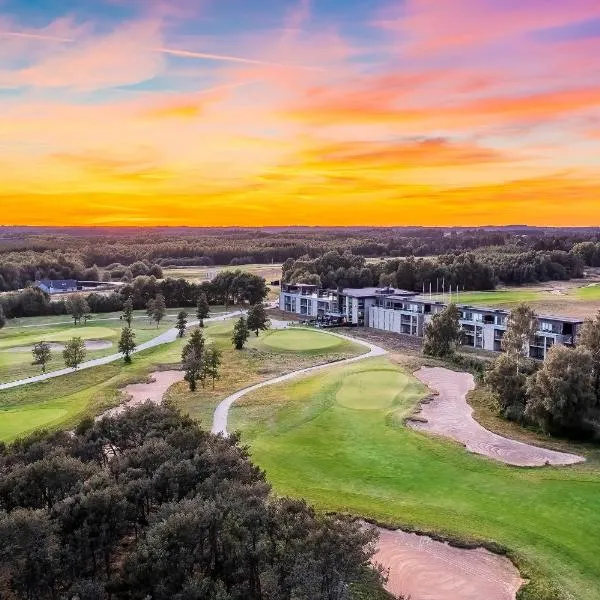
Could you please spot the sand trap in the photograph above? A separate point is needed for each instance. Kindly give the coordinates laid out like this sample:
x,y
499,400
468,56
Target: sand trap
x,y
421,568
449,414
89,344
138,393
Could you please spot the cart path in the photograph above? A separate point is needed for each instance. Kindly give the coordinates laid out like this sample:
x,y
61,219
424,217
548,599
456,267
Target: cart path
x,y
450,415
164,338
221,413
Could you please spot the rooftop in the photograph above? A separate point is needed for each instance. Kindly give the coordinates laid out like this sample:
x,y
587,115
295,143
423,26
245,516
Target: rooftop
x,y
372,292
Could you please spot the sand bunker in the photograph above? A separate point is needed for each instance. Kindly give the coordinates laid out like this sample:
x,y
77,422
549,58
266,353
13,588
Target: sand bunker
x,y
449,414
89,344
421,568
138,393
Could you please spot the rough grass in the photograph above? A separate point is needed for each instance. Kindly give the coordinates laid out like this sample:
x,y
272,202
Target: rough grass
x,y
367,463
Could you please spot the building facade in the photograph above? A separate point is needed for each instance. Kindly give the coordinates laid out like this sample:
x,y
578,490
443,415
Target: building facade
x,y
57,286
407,313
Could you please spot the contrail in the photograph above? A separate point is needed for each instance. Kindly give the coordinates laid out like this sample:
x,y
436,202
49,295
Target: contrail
x,y
36,36
228,58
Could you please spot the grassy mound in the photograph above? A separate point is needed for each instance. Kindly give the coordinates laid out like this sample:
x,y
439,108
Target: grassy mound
x,y
300,340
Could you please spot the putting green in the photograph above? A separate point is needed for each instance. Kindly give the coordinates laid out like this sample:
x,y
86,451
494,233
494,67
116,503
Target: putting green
x,y
300,340
371,390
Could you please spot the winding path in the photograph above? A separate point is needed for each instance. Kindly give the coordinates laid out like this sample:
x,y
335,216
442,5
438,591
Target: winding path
x,y
164,338
222,411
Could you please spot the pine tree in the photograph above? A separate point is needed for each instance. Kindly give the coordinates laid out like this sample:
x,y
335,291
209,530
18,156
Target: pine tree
x,y
181,322
257,318
157,309
240,333
212,363
127,343
192,358
202,309
521,329
128,311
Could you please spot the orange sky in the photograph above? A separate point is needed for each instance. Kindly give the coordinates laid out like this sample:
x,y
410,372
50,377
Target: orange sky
x,y
414,112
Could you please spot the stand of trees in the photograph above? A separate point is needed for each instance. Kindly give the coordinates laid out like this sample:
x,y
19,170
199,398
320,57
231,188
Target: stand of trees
x,y
481,270
228,287
560,396
147,505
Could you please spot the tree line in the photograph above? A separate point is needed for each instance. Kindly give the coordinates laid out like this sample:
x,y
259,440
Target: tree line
x,y
481,270
560,396
227,288
148,505
27,254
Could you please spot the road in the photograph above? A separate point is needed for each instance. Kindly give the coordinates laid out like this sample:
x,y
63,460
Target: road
x,y
164,338
221,413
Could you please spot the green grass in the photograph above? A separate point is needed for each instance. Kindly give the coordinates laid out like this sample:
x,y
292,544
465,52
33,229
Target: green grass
x,y
588,293
300,340
366,462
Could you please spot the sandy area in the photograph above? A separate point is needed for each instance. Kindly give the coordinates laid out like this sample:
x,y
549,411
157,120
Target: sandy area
x,y
449,414
421,568
89,344
138,393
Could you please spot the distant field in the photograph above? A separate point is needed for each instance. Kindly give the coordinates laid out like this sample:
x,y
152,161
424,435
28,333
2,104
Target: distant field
x,y
338,440
574,299
270,272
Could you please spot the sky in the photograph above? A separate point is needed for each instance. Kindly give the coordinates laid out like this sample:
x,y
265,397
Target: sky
x,y
299,112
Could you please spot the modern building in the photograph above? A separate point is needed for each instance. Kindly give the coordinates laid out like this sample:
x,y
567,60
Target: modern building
x,y
407,313
57,286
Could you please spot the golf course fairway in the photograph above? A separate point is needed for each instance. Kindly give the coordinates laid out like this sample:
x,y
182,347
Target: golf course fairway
x,y
338,439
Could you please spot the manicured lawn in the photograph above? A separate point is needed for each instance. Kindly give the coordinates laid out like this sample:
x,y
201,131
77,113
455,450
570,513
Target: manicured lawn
x,y
317,439
300,340
590,292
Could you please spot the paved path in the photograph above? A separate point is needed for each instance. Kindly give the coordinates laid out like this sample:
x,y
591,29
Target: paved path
x,y
164,338
222,410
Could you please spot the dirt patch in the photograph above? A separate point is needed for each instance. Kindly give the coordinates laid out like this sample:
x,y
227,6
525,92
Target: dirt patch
x,y
421,568
449,414
153,391
57,346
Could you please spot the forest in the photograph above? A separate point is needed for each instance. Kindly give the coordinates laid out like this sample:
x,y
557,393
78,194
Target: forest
x,y
28,253
226,288
148,505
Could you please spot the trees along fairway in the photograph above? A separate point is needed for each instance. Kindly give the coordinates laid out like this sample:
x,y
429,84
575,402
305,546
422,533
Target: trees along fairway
x,y
338,439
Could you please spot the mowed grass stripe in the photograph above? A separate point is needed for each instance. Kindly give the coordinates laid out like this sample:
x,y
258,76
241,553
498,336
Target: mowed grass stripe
x,y
368,463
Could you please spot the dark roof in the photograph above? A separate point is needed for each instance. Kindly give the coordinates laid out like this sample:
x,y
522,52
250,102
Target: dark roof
x,y
373,292
58,284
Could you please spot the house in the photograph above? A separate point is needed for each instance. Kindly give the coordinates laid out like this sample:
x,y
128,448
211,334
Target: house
x,y
57,286
407,313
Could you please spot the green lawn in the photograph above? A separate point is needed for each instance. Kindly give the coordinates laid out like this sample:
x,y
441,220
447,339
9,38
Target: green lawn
x,y
589,292
338,440
300,340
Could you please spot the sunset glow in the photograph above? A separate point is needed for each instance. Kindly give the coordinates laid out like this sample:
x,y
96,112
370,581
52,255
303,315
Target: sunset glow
x,y
275,112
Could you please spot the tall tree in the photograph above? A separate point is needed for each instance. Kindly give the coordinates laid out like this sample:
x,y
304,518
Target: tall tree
x,y
257,318
590,340
2,317
241,333
561,393
74,352
181,322
78,307
212,363
157,309
127,343
128,311
192,358
509,386
521,329
42,355
202,309
443,333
